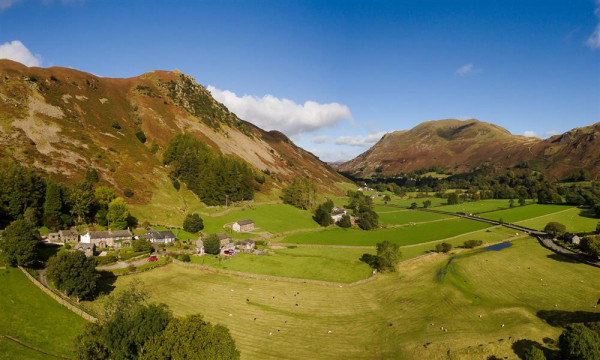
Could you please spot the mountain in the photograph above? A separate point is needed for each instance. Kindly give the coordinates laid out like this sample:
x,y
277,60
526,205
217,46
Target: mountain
x,y
62,121
460,146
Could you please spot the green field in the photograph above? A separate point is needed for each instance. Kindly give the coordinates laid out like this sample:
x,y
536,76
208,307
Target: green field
x,y
524,212
335,265
575,219
391,316
405,235
274,218
476,207
405,203
31,316
401,217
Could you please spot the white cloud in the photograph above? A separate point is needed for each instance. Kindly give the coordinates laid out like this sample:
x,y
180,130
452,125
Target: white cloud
x,y
5,4
15,50
321,139
333,155
360,140
467,69
530,133
551,133
272,113
594,40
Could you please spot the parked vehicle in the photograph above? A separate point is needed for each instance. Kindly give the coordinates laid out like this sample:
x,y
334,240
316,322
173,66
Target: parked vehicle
x,y
153,258
229,252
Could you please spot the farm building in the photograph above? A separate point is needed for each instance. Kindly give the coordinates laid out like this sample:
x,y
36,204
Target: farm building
x,y
88,249
245,245
200,247
54,237
337,213
68,236
159,237
226,241
104,239
572,238
243,226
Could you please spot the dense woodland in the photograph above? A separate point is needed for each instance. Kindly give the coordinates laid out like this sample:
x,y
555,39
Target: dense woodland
x,y
215,178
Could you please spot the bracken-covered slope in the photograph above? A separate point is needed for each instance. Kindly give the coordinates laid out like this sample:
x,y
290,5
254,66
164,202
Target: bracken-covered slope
x,y
61,121
460,146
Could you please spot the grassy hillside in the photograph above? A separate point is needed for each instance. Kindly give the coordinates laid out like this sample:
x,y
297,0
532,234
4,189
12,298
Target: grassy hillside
x,y
31,316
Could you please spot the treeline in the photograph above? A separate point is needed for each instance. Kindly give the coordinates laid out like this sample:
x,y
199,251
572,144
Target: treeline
x,y
215,178
26,195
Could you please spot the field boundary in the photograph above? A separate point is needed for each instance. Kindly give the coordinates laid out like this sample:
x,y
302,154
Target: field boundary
x,y
554,247
17,341
77,310
211,269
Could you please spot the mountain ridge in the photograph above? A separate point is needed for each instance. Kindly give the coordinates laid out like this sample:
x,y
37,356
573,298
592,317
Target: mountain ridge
x,y
61,121
463,145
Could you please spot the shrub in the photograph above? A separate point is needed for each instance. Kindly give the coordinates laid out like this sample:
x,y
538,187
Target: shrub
x,y
193,223
579,342
470,244
212,245
184,258
128,192
141,245
345,221
443,247
555,229
103,260
116,125
141,136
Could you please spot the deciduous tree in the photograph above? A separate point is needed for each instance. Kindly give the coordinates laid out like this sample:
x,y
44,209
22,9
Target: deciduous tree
x,y
74,273
18,243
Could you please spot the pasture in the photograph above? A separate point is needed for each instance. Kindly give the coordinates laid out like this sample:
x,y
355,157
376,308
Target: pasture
x,y
524,287
519,213
31,316
476,207
405,235
401,217
334,265
575,219
274,218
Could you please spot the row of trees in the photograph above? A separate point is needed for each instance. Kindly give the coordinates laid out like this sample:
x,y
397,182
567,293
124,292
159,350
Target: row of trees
x,y
24,194
215,178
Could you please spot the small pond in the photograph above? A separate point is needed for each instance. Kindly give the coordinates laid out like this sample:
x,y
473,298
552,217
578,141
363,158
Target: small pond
x,y
498,247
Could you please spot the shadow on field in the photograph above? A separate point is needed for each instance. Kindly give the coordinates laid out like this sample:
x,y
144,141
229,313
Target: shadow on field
x,y
560,318
588,213
369,259
563,258
106,282
521,348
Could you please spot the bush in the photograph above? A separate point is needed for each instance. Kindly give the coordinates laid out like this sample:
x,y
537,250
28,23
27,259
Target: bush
x,y
193,223
555,229
579,342
212,245
128,192
470,244
184,258
443,247
103,260
116,125
141,136
345,221
141,245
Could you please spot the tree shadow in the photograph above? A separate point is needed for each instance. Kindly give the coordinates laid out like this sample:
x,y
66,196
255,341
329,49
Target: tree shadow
x,y
106,282
44,253
369,259
561,318
522,346
588,213
563,258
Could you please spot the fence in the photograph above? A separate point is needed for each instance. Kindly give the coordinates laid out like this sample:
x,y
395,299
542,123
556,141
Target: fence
x,y
77,310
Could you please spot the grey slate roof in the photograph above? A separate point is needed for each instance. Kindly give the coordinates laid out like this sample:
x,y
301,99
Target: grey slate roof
x,y
245,222
109,234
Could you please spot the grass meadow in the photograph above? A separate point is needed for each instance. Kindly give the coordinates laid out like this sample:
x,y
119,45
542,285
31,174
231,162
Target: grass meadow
x,y
334,265
391,316
406,235
31,316
575,219
402,217
520,213
476,207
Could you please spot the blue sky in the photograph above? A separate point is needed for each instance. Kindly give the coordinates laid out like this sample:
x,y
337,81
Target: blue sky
x,y
336,75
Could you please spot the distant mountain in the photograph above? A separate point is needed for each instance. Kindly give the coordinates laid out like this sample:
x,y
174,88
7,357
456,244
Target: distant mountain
x,y
460,146
61,121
